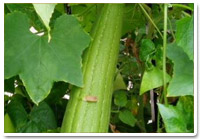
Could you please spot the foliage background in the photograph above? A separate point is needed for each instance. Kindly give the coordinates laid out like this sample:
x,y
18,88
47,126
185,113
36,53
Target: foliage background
x,y
138,75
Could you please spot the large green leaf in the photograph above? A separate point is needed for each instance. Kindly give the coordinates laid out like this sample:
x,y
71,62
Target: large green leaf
x,y
39,63
178,119
182,81
185,35
152,79
127,117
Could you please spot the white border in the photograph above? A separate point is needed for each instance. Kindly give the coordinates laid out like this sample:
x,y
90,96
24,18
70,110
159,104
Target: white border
x,y
195,70
99,1
99,134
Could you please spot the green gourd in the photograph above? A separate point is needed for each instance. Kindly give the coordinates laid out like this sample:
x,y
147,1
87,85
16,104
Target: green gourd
x,y
89,107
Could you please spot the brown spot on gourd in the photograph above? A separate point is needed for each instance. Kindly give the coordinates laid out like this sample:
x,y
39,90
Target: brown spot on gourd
x,y
90,98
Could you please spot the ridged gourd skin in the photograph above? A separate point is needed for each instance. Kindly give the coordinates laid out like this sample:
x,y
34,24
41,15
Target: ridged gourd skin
x,y
99,66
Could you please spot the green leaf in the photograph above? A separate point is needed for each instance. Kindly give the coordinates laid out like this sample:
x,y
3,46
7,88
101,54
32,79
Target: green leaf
x,y
19,7
119,82
186,107
120,98
132,105
133,18
45,12
30,127
31,13
39,63
185,35
152,79
178,119
19,90
158,57
8,125
43,117
86,14
127,117
60,8
18,98
129,65
182,81
17,114
146,49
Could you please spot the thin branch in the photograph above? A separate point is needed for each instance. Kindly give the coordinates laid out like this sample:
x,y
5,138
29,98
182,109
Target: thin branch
x,y
186,14
182,6
150,19
164,54
170,25
86,10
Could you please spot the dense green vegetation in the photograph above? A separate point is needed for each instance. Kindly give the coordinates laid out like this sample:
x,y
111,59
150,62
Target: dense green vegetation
x,y
123,68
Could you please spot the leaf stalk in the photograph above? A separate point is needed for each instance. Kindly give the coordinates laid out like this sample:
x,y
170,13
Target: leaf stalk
x,y
150,19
